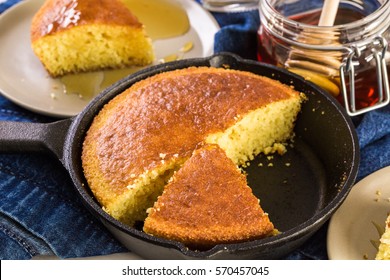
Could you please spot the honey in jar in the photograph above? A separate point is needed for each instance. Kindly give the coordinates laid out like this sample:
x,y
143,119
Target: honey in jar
x,y
349,59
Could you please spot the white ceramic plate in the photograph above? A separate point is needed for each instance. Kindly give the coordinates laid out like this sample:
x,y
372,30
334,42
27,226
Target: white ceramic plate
x,y
352,228
24,80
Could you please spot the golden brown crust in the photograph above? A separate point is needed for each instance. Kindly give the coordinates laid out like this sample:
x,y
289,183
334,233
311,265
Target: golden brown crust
x,y
208,202
169,114
58,15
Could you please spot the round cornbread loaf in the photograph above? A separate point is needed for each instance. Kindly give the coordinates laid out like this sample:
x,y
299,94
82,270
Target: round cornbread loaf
x,y
145,134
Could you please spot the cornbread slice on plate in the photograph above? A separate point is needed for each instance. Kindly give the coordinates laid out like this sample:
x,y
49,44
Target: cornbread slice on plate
x,y
208,202
384,246
77,36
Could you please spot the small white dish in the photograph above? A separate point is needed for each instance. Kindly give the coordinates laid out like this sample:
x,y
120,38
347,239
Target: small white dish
x,y
24,80
353,228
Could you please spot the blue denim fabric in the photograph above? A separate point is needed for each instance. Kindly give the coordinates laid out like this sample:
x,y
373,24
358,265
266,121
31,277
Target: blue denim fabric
x,y
374,140
8,3
238,33
40,213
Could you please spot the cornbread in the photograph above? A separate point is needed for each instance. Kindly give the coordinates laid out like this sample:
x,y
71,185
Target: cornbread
x,y
142,136
208,202
71,36
384,246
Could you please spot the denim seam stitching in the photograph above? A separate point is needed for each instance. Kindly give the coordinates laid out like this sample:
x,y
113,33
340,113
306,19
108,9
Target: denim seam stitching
x,y
21,241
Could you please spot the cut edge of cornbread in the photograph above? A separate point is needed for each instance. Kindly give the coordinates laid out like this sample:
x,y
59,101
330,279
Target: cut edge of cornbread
x,y
131,206
258,131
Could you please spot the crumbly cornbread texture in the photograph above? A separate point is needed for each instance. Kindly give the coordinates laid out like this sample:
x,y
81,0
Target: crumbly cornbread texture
x,y
71,36
384,246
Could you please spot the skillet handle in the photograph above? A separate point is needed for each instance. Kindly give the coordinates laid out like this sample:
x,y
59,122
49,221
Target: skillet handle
x,y
34,137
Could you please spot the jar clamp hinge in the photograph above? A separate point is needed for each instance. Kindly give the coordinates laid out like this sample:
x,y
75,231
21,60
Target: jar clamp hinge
x,y
377,51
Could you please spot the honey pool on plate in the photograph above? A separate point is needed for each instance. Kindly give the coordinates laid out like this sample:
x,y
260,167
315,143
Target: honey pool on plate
x,y
162,19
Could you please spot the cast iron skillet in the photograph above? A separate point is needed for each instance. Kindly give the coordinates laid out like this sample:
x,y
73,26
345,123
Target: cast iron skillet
x,y
300,190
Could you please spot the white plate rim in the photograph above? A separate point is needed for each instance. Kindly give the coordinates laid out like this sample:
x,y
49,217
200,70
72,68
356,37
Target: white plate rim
x,y
33,89
352,228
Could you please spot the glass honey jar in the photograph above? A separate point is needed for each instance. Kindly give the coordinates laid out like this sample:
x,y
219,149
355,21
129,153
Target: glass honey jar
x,y
349,59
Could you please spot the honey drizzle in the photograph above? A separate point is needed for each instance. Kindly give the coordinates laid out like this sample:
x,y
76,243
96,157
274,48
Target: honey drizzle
x,y
162,18
68,15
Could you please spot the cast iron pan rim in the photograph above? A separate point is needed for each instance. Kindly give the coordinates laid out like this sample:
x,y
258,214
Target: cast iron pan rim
x,y
82,122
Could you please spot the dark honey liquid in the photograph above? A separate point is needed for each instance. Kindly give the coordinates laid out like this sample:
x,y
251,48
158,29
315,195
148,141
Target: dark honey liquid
x,y
366,84
343,16
162,19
